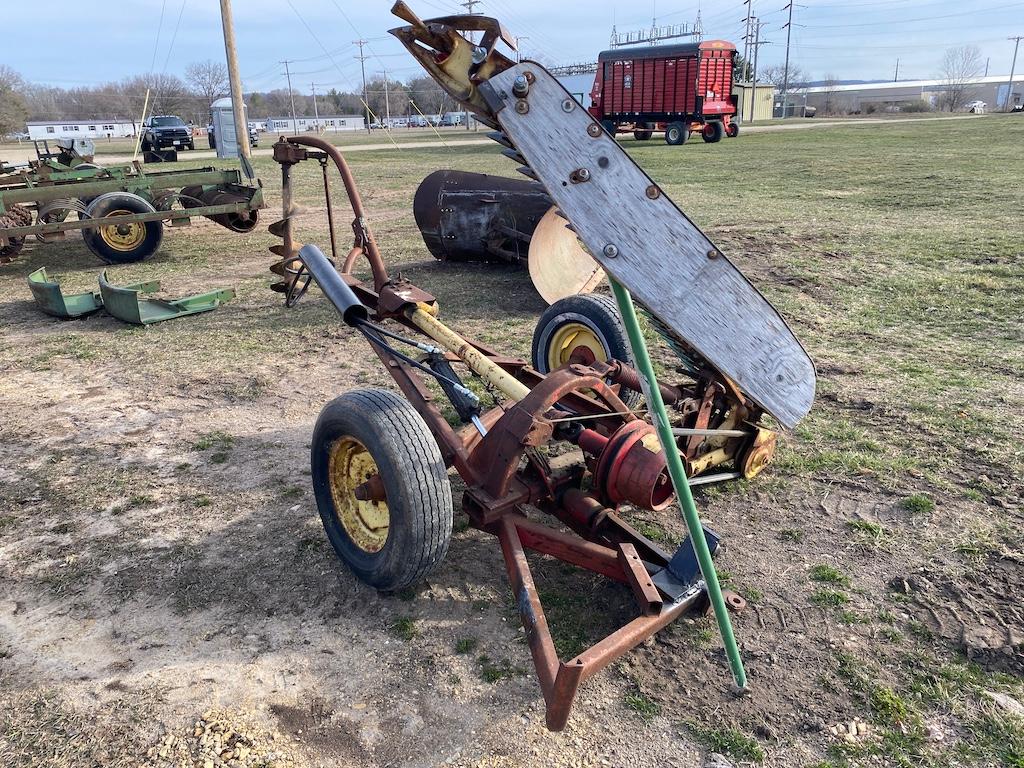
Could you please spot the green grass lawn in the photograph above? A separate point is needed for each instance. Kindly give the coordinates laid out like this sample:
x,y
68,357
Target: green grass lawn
x,y
895,251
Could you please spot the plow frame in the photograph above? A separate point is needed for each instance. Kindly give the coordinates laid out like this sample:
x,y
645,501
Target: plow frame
x,y
506,476
32,188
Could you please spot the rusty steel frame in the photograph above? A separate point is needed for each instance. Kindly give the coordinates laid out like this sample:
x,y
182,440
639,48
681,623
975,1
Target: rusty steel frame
x,y
505,475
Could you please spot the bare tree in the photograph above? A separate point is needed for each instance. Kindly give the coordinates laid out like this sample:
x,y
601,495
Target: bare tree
x,y
776,75
13,111
208,79
959,71
829,89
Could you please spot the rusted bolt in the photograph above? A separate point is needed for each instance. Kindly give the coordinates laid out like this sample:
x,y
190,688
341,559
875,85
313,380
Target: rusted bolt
x,y
579,175
568,105
593,129
713,254
530,77
520,86
653,192
522,107
610,251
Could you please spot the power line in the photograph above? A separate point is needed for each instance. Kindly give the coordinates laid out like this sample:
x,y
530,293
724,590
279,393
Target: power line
x,y
785,78
1009,88
362,67
291,96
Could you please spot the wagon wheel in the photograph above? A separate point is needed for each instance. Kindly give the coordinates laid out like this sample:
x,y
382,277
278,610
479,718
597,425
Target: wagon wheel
x,y
56,210
582,329
122,243
382,488
12,249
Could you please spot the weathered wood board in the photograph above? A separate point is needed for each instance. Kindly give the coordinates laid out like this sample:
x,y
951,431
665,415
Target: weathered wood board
x,y
664,260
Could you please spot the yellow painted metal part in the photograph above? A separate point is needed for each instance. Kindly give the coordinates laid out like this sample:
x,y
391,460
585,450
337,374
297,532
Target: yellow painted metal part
x,y
366,522
567,338
760,453
123,237
478,362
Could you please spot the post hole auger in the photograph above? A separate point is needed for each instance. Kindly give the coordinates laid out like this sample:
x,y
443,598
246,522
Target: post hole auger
x,y
568,439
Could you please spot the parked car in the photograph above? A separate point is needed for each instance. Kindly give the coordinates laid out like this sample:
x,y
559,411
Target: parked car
x,y
977,107
166,132
375,125
254,136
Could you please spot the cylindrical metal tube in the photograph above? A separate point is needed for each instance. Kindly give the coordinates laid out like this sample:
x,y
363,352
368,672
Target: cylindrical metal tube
x,y
477,361
335,289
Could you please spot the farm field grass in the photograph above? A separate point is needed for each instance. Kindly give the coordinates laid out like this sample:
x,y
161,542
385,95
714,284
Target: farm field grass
x,y
162,563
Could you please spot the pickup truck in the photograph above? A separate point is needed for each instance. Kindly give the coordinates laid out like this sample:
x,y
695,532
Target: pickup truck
x,y
166,132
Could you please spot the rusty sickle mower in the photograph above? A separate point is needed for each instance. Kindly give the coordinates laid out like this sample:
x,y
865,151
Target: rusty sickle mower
x,y
570,443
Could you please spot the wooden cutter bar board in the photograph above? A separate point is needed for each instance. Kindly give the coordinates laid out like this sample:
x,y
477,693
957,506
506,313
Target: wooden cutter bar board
x,y
665,261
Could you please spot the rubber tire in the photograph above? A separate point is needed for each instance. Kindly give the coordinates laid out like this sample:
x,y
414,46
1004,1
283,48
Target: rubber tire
x,y
111,201
145,146
610,127
415,479
600,314
712,132
192,144
676,134
732,130
645,133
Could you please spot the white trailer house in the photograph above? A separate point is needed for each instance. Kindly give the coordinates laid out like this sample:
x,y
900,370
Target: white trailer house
x,y
322,124
100,128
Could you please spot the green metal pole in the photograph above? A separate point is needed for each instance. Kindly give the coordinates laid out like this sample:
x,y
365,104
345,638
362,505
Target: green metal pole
x,y
656,406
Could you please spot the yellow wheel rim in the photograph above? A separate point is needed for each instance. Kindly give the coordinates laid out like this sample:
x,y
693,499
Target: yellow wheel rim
x,y
365,522
570,337
123,237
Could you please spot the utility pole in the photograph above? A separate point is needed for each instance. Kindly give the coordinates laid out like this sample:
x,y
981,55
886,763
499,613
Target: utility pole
x,y
785,76
1013,71
387,102
469,5
291,96
896,75
987,60
237,105
316,112
362,67
746,37
519,50
758,42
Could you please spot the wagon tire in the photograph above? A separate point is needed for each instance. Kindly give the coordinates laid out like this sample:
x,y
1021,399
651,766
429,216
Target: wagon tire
x,y
644,132
712,132
610,127
582,328
676,134
732,130
122,245
373,432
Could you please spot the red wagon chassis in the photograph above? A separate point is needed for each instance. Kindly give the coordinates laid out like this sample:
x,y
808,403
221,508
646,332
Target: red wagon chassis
x,y
652,88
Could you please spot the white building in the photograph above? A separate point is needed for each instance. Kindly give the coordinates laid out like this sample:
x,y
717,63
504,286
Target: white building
x,y
863,97
324,123
100,128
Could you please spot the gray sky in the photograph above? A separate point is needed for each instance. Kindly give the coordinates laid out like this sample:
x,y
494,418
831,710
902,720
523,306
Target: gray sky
x,y
845,38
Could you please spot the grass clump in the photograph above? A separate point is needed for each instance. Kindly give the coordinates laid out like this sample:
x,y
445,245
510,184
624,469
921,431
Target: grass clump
x,y
465,645
220,443
405,628
918,504
644,706
828,574
829,598
873,532
729,741
495,671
